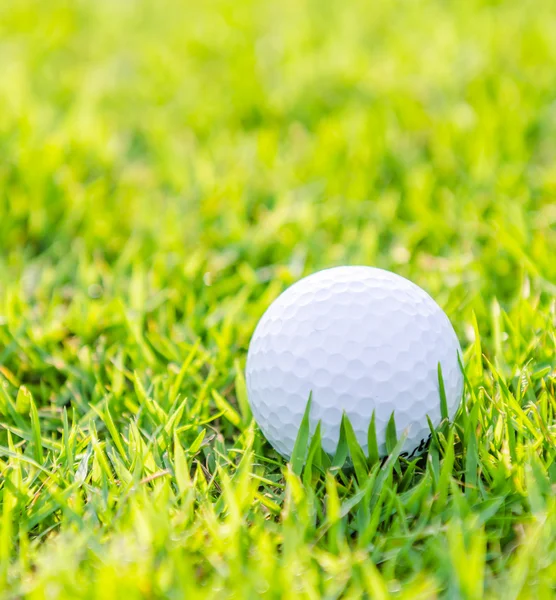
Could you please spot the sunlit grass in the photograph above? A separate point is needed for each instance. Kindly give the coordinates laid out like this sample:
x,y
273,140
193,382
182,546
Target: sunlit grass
x,y
167,169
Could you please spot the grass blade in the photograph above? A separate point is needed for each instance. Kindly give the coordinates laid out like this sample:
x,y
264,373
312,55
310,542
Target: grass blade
x,y
442,391
300,447
372,445
357,455
36,429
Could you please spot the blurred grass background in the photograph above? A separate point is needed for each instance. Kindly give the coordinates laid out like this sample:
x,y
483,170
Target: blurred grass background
x,y
167,168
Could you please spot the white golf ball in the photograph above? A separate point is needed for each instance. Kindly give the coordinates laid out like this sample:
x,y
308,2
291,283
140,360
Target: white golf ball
x,y
360,340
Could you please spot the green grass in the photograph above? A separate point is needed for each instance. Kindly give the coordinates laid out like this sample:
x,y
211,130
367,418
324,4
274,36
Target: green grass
x,y
166,170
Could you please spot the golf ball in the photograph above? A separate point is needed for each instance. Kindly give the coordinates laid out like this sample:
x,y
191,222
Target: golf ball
x,y
360,340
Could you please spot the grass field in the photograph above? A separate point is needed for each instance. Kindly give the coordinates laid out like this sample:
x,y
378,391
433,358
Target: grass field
x,y
167,169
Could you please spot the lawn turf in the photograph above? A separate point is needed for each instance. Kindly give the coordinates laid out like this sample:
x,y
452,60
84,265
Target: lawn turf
x,y
167,168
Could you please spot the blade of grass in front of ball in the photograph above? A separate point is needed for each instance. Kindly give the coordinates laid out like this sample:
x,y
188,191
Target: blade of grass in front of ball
x,y
342,451
357,455
391,434
392,439
314,457
434,436
442,391
300,447
372,445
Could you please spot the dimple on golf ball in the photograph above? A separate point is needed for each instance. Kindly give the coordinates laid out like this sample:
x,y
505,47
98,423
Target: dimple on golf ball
x,y
358,340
